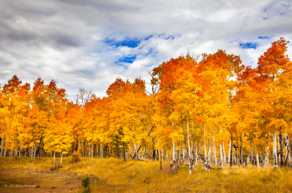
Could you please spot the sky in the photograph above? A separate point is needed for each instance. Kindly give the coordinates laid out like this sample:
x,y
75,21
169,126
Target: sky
x,y
89,43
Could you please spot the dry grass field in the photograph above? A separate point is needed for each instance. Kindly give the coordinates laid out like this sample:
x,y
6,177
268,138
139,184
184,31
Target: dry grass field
x,y
117,176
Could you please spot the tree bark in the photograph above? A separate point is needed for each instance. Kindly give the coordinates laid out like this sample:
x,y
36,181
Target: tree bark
x,y
124,152
241,151
205,152
1,146
196,154
135,155
173,151
230,153
5,152
287,149
101,150
189,148
257,159
221,155
267,157
248,159
224,154
281,147
209,153
91,150
275,152
214,152
160,159
61,159
54,159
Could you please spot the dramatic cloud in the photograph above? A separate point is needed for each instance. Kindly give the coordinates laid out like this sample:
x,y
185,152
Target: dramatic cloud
x,y
88,44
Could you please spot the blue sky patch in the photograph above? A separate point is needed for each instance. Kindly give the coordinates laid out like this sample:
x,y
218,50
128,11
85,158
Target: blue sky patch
x,y
151,52
135,42
166,36
126,59
248,45
127,42
264,37
148,37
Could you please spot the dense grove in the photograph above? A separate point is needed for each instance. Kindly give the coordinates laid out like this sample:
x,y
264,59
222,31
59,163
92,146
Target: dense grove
x,y
216,110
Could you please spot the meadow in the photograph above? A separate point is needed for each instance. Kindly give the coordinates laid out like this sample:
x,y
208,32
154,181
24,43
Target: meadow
x,y
116,176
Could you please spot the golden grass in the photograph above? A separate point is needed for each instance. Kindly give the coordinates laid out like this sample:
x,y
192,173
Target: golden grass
x,y
145,177
112,175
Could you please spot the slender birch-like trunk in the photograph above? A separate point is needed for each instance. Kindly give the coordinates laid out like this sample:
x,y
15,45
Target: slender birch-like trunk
x,y
286,143
173,151
267,157
288,150
214,152
275,152
189,148
2,147
196,154
160,159
257,159
101,150
224,154
54,159
241,151
209,153
221,155
92,150
248,159
230,154
183,154
5,152
205,152
32,152
61,159
281,148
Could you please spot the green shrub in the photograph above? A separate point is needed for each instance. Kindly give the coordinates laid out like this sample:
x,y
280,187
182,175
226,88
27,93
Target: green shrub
x,y
85,184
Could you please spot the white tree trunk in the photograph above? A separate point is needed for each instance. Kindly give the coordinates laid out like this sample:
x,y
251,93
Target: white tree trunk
x,y
267,157
189,148
257,159
209,154
160,159
221,155
54,159
32,152
61,159
287,149
173,151
229,153
2,147
248,160
275,151
101,150
205,152
196,154
215,153
183,154
224,154
92,150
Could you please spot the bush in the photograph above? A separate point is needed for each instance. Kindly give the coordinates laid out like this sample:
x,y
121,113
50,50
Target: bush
x,y
85,184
